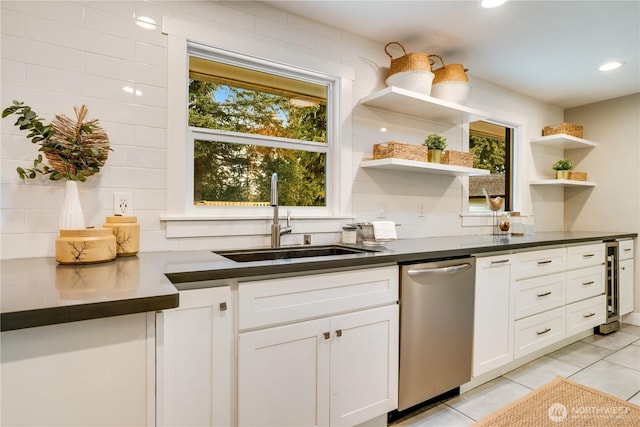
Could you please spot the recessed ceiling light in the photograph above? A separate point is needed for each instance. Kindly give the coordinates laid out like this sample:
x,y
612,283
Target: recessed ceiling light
x,y
608,66
492,3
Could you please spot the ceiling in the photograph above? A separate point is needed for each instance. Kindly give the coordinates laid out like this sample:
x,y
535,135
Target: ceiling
x,y
549,50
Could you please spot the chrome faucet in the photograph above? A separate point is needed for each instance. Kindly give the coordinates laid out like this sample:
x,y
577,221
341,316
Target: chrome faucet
x,y
276,229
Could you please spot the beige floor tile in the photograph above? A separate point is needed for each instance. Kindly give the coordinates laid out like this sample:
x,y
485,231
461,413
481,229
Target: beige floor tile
x,y
611,378
635,399
541,371
441,415
487,398
628,356
580,354
630,329
614,341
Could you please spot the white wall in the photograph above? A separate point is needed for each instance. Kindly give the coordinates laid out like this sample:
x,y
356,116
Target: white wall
x,y
56,55
614,204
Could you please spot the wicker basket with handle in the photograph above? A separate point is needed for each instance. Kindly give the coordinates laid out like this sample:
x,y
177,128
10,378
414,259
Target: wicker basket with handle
x,y
408,61
457,158
400,150
449,72
566,128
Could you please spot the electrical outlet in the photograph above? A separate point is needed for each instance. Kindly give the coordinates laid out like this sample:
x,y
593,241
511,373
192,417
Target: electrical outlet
x,y
123,204
421,209
382,210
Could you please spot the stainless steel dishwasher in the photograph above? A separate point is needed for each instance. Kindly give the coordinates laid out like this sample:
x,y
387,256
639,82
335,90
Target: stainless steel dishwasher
x,y
436,328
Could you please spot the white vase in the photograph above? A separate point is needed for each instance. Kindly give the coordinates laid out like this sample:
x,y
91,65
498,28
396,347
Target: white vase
x,y
71,216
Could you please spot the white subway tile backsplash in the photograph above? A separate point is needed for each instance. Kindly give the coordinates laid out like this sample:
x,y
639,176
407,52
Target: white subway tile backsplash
x,y
149,54
154,137
60,11
12,221
55,33
150,178
107,44
12,23
41,220
150,200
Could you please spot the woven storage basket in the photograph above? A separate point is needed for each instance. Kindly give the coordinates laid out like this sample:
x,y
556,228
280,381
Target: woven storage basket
x,y
578,176
450,72
457,158
400,150
407,62
566,128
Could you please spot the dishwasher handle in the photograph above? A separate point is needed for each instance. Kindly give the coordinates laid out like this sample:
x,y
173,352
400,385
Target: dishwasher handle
x,y
440,270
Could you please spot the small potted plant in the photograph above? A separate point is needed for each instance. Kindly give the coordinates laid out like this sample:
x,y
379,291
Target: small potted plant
x,y
435,143
562,168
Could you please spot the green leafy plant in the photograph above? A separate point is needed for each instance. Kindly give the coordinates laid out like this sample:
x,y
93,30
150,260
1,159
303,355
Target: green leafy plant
x,y
563,165
74,150
435,141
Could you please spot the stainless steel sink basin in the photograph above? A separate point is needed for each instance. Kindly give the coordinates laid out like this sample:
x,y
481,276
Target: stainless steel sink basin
x,y
290,252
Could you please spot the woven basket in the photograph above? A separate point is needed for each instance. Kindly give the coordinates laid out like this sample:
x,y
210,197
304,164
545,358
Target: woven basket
x,y
566,128
400,150
449,73
578,176
407,62
457,158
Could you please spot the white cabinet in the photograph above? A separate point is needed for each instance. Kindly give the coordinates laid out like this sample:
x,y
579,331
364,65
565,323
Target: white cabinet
x,y
89,373
566,142
319,349
195,353
493,321
538,331
626,266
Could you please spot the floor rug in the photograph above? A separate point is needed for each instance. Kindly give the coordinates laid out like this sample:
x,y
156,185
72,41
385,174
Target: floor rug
x,y
565,403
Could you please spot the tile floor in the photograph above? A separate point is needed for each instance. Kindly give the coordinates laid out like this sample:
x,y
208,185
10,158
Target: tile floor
x,y
608,363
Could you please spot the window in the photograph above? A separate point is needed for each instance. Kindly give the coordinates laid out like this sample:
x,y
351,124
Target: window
x,y
492,148
248,120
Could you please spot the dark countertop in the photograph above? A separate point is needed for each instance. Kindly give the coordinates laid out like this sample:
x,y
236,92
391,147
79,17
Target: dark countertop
x,y
38,291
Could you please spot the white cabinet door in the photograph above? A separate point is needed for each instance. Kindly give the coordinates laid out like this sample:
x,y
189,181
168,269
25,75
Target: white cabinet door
x,y
195,350
88,373
364,365
493,322
625,278
283,375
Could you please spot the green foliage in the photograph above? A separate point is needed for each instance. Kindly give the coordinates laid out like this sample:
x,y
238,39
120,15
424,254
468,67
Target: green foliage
x,y
78,160
435,141
563,165
228,172
488,153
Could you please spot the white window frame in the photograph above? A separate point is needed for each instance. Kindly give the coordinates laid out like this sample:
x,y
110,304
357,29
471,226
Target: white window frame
x,y
519,126
218,55
180,209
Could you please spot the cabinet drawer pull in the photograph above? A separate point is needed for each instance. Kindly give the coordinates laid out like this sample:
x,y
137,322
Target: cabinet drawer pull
x,y
326,335
339,333
543,332
622,268
586,316
501,261
588,255
627,249
548,261
223,306
544,294
591,282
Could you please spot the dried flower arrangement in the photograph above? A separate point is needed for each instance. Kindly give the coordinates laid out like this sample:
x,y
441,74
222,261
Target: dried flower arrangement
x,y
74,149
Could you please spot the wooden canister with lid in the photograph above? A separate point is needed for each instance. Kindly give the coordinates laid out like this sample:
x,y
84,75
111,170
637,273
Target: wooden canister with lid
x,y
85,246
127,233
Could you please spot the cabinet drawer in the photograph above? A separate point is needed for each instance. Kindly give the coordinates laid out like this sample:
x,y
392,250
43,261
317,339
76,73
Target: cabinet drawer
x,y
273,301
584,315
538,263
585,256
541,330
625,248
585,283
539,294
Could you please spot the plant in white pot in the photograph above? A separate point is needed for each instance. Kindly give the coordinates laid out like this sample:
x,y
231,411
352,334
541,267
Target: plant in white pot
x,y
562,168
435,143
74,150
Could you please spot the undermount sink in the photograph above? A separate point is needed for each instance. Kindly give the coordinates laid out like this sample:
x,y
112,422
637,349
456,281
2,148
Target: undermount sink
x,y
249,255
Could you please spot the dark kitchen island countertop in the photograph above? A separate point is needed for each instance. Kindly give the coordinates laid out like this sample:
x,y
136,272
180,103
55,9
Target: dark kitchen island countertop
x,y
38,291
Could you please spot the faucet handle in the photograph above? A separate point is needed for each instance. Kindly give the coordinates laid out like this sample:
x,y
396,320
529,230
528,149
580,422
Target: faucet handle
x,y
288,217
